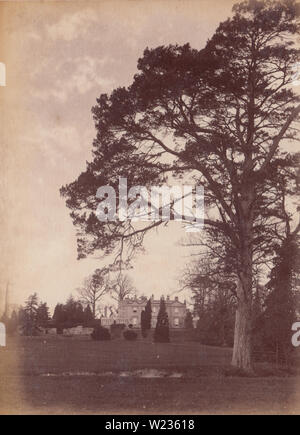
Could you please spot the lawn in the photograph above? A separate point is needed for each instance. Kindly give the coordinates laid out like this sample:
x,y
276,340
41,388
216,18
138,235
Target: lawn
x,y
65,375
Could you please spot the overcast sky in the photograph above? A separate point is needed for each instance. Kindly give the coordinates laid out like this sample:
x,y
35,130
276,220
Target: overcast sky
x,y
60,57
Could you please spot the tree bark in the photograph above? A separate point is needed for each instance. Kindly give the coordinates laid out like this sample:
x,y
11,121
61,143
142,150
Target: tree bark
x,y
242,354
241,357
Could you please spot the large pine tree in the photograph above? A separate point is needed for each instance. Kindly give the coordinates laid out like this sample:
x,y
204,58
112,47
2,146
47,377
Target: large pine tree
x,y
219,117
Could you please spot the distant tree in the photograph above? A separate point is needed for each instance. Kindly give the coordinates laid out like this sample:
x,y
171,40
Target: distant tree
x,y
122,287
29,316
143,324
148,315
216,324
161,333
74,312
59,315
213,292
88,315
31,305
272,331
188,321
69,314
42,314
95,287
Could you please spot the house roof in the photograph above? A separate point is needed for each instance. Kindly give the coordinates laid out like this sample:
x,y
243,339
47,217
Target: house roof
x,y
142,301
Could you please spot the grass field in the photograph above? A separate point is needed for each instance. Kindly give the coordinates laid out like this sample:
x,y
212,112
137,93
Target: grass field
x,y
65,375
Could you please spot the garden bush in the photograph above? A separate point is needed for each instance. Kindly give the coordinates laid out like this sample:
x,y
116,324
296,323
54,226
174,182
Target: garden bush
x,y
116,330
100,334
130,335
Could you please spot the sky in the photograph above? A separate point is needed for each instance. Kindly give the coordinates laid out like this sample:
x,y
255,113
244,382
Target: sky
x,y
59,57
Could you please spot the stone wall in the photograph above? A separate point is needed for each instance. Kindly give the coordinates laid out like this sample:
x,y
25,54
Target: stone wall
x,y
78,330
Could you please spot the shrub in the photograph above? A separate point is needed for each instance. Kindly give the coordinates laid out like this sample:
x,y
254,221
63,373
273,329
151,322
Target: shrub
x,y
144,333
130,335
100,334
116,330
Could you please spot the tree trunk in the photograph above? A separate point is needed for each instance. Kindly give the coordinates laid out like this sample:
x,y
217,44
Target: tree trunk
x,y
241,357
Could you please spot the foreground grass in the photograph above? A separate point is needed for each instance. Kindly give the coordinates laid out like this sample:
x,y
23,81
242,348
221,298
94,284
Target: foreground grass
x,y
83,382
38,355
99,395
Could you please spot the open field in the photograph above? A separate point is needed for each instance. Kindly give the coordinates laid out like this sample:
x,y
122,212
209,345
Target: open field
x,y
65,375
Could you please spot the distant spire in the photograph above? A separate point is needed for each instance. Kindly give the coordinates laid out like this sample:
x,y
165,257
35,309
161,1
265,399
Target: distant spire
x,y
6,299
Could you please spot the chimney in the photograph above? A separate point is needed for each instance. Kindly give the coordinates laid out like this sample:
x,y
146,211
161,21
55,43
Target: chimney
x,y
176,298
168,297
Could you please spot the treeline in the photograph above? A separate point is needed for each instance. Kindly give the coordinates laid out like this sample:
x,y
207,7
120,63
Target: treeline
x,y
31,318
71,314
35,316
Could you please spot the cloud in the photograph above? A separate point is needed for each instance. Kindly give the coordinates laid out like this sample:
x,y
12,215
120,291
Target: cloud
x,y
55,143
86,76
73,26
76,77
31,35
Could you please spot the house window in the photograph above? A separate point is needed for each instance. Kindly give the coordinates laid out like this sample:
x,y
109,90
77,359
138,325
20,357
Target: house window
x,y
176,321
134,321
154,310
176,310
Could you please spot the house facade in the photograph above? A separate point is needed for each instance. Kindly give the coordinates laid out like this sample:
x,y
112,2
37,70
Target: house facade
x,y
129,311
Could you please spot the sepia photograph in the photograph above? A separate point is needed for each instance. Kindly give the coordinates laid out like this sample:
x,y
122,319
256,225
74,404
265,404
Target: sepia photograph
x,y
150,210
